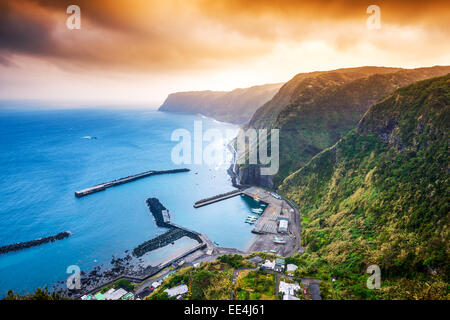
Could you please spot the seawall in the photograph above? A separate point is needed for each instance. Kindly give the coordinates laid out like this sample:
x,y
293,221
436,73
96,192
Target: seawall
x,y
33,243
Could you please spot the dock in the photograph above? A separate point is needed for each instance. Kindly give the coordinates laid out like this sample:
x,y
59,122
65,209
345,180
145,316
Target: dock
x,y
106,185
217,198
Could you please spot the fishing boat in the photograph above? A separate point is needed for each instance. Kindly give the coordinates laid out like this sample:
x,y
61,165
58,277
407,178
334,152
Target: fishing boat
x,y
279,240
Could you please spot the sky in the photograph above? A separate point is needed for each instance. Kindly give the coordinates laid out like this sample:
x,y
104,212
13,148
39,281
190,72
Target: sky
x,y
136,52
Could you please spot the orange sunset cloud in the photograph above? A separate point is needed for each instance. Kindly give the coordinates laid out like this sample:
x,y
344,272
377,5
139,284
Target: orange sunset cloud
x,y
141,50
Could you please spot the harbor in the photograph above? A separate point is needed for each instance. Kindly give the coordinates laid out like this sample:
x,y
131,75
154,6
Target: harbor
x,y
106,185
277,226
271,236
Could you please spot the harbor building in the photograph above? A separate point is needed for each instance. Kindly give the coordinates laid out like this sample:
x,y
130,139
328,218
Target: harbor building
x,y
283,224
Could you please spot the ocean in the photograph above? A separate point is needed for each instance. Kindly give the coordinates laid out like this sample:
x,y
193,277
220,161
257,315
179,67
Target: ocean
x,y
47,155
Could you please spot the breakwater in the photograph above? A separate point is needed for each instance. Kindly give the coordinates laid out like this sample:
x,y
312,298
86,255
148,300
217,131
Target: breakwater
x,y
33,243
106,185
160,241
162,219
159,212
217,198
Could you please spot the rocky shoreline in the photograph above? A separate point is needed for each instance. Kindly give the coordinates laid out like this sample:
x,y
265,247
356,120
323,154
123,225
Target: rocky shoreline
x,y
33,243
129,267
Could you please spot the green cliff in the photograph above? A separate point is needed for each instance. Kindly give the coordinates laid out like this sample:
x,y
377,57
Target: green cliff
x,y
381,196
313,111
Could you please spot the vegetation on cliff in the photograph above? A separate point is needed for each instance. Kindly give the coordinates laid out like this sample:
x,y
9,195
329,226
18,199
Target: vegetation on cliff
x,y
313,111
380,196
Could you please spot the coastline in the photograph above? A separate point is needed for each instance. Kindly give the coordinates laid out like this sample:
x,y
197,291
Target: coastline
x,y
124,265
125,268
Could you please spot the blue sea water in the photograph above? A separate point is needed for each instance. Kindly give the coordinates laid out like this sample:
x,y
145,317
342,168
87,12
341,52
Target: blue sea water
x,y
46,156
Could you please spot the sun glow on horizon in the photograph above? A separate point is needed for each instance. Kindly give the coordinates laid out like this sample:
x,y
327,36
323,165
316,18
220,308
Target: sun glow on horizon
x,y
140,51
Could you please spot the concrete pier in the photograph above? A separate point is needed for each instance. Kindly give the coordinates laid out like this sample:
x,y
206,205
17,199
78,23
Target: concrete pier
x,y
217,198
105,185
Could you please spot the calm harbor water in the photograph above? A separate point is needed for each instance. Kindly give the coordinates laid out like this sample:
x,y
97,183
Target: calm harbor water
x,y
46,155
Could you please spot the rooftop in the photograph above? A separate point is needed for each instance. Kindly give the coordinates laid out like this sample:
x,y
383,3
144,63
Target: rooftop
x,y
113,294
175,291
288,288
291,267
256,260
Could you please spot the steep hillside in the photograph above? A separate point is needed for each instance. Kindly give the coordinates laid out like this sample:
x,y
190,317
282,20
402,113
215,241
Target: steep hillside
x,y
380,196
235,106
324,106
265,116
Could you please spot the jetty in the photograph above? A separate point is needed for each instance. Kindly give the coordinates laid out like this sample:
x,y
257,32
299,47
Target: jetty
x,y
106,185
33,243
217,198
162,219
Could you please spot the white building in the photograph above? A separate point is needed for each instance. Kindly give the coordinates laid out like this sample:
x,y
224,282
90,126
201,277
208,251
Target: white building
x,y
268,265
178,290
156,284
113,294
166,215
291,268
283,226
288,289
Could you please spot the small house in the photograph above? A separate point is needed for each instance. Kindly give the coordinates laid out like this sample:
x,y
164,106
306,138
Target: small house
x,y
289,290
279,265
268,265
256,260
